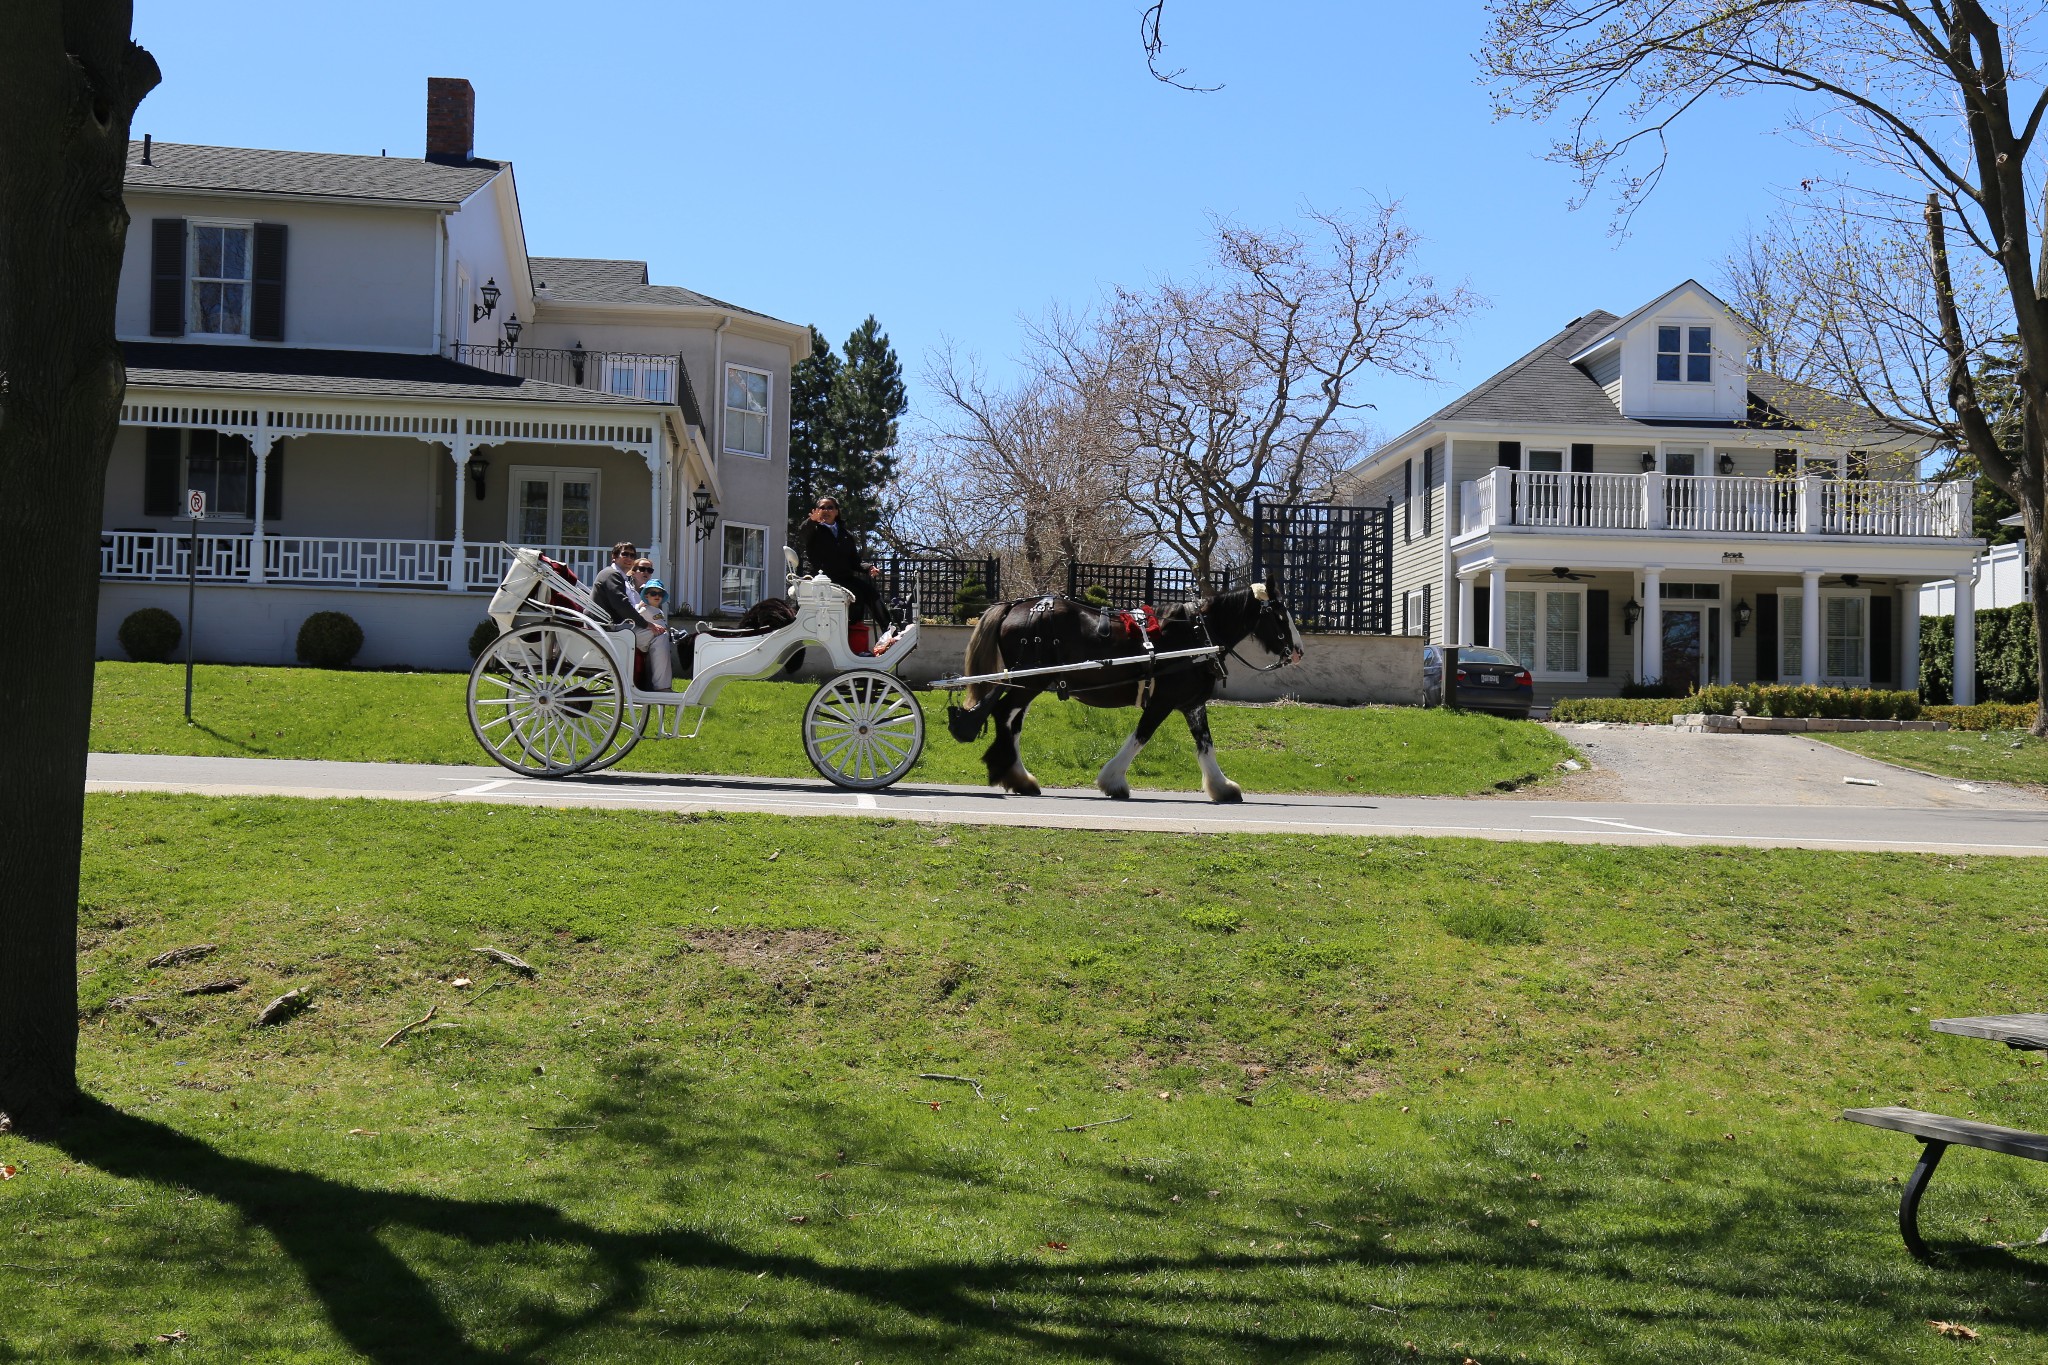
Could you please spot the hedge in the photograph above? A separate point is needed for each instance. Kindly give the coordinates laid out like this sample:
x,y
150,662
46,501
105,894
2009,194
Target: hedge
x,y
1985,715
1625,710
1755,699
329,639
2006,662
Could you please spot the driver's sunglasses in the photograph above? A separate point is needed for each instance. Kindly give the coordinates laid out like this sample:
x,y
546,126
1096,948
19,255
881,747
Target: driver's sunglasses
x,y
828,507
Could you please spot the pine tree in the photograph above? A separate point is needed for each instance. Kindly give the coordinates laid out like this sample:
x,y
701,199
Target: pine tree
x,y
867,398
811,383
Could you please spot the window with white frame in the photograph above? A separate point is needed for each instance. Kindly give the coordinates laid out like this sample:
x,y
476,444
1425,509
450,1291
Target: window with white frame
x,y
219,275
1546,631
639,376
1845,639
224,468
1685,353
551,506
742,566
746,410
1415,612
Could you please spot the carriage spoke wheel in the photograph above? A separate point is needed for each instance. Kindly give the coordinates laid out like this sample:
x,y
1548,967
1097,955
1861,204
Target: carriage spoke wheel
x,y
863,729
545,701
632,729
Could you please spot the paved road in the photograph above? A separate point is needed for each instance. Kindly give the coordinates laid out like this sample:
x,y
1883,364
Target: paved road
x,y
2014,830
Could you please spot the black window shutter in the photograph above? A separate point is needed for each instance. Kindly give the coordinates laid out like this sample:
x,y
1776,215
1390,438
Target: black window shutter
x,y
1408,500
266,293
1767,637
167,277
1884,649
273,484
1477,629
160,472
1596,632
1428,482
1425,611
1511,454
1859,464
1582,458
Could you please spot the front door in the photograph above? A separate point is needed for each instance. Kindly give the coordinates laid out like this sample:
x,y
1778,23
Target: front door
x,y
1684,638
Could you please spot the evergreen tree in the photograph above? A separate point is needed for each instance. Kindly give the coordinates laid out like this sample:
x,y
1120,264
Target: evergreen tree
x,y
867,398
811,383
1998,392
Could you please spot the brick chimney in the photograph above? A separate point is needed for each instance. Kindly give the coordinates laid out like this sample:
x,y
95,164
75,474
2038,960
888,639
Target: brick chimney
x,y
451,120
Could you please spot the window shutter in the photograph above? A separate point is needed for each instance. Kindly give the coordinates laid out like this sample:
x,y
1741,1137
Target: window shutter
x,y
1510,454
167,277
1859,464
1884,649
273,484
1425,611
1596,632
1478,627
266,280
1407,500
160,472
1428,482
1767,637
1582,458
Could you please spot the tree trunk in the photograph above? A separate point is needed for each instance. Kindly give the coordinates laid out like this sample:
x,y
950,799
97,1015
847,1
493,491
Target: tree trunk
x,y
70,80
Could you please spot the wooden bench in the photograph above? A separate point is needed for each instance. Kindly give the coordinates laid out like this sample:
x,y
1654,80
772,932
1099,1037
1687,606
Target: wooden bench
x,y
1937,1133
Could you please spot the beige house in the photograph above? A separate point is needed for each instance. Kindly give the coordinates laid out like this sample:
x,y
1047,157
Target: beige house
x,y
375,387
1629,502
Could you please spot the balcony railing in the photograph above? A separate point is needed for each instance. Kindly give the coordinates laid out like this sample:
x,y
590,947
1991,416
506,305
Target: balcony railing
x,y
657,378
322,561
1715,505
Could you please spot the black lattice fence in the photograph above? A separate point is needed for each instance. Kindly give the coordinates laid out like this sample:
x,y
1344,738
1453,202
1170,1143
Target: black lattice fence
x,y
1333,565
934,584
1128,585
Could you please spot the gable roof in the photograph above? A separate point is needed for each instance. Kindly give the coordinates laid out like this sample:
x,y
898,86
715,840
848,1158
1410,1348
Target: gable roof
x,y
575,279
1622,324
319,175
305,369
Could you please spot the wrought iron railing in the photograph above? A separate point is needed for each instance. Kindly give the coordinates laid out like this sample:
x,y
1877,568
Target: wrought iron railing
x,y
935,584
1130,585
656,378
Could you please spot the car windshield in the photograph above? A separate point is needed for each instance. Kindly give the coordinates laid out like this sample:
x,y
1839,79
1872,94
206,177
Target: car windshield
x,y
1480,654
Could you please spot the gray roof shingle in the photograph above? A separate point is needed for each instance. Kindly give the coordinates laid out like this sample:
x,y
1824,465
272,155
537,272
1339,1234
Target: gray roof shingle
x,y
572,279
331,175
306,370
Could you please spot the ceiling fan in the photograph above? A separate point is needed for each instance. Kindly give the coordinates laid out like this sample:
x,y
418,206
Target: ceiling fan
x,y
1858,580
1566,575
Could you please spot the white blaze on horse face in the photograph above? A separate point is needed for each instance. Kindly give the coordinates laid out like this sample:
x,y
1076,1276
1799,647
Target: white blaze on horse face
x,y
1259,591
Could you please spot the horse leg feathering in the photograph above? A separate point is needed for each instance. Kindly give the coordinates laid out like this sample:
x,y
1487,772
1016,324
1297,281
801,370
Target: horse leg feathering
x,y
1218,788
1111,780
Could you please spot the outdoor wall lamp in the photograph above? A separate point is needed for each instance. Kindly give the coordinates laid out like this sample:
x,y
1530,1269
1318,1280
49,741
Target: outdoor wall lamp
x,y
479,469
1630,614
1726,464
1649,460
1742,615
513,327
577,355
701,512
479,311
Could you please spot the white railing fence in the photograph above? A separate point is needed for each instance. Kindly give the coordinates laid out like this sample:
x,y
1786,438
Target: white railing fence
x,y
1714,504
323,561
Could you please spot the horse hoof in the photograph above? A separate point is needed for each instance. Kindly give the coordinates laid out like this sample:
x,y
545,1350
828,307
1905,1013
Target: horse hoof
x,y
1115,793
1229,796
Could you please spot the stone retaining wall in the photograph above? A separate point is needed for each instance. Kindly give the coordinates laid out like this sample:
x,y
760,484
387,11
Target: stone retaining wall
x,y
1775,725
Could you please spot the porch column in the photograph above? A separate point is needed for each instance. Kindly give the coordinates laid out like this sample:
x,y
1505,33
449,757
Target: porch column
x,y
1653,618
1966,638
1909,638
262,447
656,507
1459,631
1811,627
458,451
1497,607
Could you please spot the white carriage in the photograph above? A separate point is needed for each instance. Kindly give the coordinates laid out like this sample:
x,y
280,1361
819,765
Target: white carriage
x,y
555,694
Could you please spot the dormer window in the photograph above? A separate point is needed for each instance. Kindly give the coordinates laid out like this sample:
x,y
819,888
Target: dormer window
x,y
1694,362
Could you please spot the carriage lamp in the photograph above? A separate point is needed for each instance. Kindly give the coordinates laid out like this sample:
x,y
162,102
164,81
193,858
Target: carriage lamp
x,y
1649,460
1725,464
479,467
701,512
513,327
1742,615
576,357
479,311
1630,614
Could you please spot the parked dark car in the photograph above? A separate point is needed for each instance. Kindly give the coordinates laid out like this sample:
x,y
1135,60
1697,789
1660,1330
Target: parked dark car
x,y
1488,680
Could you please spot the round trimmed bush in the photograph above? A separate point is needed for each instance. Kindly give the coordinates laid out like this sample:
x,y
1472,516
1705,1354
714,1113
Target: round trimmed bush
x,y
149,635
329,639
480,639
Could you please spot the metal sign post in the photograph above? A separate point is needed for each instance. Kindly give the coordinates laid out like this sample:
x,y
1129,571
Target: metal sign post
x,y
195,506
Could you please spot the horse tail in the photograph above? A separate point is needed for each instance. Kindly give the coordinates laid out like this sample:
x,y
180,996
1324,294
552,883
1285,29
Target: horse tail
x,y
984,655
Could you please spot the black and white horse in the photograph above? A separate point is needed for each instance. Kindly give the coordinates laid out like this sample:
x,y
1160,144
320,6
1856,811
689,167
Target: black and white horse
x,y
1048,632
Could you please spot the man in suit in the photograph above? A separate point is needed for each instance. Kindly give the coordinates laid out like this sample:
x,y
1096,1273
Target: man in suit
x,y
614,594
831,549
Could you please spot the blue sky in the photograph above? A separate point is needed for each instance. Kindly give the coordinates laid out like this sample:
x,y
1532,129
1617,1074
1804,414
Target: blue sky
x,y
949,166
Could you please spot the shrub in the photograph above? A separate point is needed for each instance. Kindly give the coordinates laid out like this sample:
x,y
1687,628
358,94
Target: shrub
x,y
1096,596
480,639
2006,662
1755,699
1621,710
1985,715
971,599
149,635
329,639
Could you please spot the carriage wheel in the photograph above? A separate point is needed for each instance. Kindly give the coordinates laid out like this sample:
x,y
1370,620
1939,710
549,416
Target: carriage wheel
x,y
545,701
632,729
863,729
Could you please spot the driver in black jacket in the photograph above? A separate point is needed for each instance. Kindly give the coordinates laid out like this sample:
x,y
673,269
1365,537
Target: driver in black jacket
x,y
831,549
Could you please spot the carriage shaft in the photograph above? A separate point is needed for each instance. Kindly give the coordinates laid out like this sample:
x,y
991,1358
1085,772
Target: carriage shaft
x,y
1079,666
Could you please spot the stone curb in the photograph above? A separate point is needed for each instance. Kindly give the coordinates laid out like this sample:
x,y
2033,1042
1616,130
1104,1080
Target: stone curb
x,y
1781,725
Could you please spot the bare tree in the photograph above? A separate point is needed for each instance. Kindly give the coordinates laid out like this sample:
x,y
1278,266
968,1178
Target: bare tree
x,y
1760,280
1931,108
70,80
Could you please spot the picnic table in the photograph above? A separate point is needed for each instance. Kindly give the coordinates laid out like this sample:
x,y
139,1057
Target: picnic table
x,y
1938,1132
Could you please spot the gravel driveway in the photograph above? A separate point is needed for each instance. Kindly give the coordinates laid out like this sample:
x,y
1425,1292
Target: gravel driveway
x,y
1664,763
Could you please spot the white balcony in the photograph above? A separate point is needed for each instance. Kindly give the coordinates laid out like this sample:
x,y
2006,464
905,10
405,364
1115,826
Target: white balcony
x,y
321,561
1714,505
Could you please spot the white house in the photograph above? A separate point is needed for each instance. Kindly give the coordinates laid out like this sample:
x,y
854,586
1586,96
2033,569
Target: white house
x,y
375,384
1629,501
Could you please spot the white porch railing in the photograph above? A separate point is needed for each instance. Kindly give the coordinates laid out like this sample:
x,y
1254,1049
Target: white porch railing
x,y
1713,504
322,561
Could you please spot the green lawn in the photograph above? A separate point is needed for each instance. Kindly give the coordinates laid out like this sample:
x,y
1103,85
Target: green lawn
x,y
1506,1101
756,729
1975,756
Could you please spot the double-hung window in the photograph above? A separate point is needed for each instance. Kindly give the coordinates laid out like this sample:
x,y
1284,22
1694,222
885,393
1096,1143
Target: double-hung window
x,y
746,410
1845,637
222,467
1685,353
219,275
1546,631
742,566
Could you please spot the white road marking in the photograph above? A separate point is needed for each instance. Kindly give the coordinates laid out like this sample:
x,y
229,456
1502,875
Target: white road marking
x,y
1621,824
481,788
865,800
